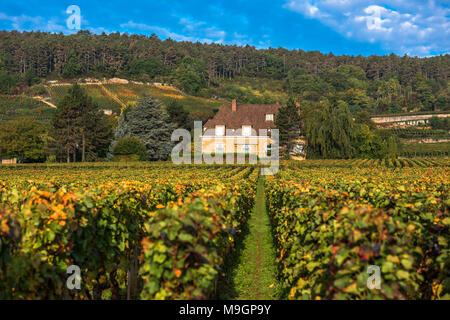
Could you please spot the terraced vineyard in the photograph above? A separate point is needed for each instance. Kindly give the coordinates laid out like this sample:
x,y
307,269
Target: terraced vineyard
x,y
130,93
94,91
19,107
159,231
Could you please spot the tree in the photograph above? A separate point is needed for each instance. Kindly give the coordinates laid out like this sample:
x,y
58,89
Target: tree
x,y
72,68
288,122
363,118
191,75
24,139
66,124
443,101
356,100
78,123
309,86
151,124
424,91
330,130
388,90
368,144
96,136
30,77
151,67
392,147
395,107
345,77
440,123
127,147
179,116
7,80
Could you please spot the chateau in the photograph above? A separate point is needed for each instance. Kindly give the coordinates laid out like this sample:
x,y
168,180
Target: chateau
x,y
240,128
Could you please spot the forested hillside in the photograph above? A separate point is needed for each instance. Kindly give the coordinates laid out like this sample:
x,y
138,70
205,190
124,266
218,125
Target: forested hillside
x,y
377,84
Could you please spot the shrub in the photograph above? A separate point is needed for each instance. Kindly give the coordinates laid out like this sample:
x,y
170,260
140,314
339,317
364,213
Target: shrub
x,y
131,148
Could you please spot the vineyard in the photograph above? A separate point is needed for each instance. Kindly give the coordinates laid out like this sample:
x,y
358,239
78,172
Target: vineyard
x,y
94,91
160,231
425,150
418,133
19,107
130,93
332,223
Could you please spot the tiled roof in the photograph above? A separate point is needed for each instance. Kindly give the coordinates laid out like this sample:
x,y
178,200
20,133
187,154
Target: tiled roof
x,y
245,114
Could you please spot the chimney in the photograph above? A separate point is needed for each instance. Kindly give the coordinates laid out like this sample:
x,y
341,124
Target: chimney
x,y
234,105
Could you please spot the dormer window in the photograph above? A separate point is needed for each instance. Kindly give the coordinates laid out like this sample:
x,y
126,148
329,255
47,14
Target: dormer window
x,y
220,131
246,131
269,117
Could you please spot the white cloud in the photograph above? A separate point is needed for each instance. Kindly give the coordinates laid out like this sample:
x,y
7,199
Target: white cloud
x,y
239,36
54,25
306,8
205,35
192,30
374,20
214,33
190,24
27,23
414,27
200,29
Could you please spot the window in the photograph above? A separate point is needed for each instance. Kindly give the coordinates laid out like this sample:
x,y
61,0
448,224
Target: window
x,y
247,131
246,149
268,149
220,131
220,148
269,117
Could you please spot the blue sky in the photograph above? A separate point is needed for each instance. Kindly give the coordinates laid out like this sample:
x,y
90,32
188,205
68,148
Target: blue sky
x,y
351,27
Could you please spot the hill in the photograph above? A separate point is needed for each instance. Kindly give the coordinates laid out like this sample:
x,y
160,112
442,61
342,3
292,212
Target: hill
x,y
377,84
107,94
17,107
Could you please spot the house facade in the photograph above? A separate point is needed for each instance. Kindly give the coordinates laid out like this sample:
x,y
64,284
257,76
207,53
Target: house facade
x,y
240,129
9,161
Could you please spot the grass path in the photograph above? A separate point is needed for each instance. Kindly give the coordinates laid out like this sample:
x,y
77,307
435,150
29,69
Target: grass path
x,y
252,275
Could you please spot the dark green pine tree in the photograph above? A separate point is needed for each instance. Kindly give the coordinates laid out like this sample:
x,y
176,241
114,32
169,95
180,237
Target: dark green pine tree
x,y
72,68
79,125
288,122
179,116
151,124
66,123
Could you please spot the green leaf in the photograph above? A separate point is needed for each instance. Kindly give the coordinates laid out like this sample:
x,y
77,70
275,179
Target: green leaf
x,y
387,267
312,265
186,237
446,221
341,256
401,274
159,258
407,263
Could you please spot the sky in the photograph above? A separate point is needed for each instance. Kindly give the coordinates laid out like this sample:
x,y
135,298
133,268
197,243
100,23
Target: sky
x,y
353,27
